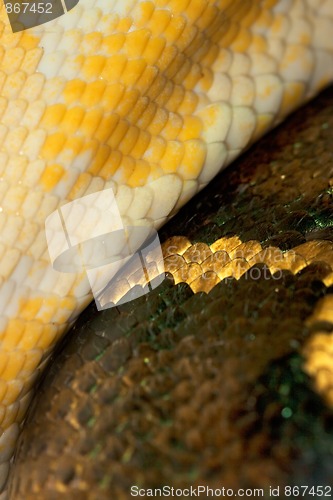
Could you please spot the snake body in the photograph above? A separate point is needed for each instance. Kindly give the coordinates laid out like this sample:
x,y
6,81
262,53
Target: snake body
x,y
149,98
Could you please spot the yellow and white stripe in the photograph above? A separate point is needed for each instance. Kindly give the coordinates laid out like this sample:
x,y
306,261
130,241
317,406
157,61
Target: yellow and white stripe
x,y
151,98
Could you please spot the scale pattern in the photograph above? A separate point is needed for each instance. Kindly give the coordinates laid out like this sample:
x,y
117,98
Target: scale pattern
x,y
224,379
149,98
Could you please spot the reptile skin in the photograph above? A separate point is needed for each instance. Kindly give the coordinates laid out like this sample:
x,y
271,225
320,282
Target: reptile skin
x,y
151,99
222,375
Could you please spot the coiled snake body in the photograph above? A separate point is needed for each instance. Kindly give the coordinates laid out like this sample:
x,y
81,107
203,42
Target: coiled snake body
x,y
149,98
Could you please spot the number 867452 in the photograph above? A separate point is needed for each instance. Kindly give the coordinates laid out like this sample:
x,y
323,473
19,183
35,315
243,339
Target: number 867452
x,y
25,7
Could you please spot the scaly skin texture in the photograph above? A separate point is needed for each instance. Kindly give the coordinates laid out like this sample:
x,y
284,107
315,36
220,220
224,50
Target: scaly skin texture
x,y
149,98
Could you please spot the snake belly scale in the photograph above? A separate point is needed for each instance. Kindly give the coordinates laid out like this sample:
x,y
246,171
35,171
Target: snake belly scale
x,y
149,98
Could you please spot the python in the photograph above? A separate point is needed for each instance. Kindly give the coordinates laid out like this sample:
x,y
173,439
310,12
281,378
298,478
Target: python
x,y
148,98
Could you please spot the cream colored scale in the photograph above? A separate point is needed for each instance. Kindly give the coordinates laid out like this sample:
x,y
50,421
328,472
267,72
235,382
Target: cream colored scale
x,y
150,98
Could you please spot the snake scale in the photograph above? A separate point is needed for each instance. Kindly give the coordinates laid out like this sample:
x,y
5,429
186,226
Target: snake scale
x,y
149,98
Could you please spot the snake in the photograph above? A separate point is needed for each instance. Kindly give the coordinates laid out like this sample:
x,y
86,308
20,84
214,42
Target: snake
x,y
149,99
